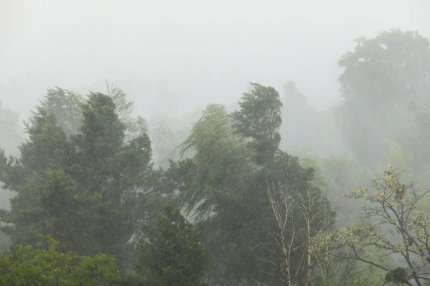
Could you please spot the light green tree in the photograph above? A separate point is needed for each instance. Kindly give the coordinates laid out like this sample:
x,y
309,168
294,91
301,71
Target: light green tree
x,y
392,236
43,264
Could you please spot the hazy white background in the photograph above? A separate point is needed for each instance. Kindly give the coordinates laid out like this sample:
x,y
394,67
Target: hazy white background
x,y
172,57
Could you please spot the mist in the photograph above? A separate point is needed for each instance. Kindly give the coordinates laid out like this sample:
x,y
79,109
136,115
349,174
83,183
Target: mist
x,y
174,57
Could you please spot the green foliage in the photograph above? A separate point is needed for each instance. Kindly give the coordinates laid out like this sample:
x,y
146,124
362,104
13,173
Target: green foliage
x,y
171,253
384,81
221,162
47,203
44,265
47,145
336,175
393,225
65,106
215,189
398,275
396,57
4,242
259,119
84,186
235,158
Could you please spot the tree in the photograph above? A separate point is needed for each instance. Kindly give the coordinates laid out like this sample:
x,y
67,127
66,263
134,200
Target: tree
x,y
383,82
214,189
394,226
225,185
47,145
306,129
259,119
86,188
43,264
294,210
171,252
299,213
10,131
11,135
49,204
65,106
288,235
221,160
112,173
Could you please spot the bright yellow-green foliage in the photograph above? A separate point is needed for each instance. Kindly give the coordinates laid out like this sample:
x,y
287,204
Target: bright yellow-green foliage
x,y
392,226
45,265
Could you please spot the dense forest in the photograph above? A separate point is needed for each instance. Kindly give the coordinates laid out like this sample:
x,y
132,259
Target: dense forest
x,y
271,192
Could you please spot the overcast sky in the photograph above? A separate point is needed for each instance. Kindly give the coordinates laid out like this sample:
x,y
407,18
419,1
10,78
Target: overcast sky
x,y
173,57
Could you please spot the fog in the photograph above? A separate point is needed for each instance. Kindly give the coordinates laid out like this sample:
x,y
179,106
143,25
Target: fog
x,y
172,57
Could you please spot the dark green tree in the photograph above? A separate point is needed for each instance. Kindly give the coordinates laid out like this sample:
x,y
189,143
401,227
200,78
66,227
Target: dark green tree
x,y
259,119
112,174
171,253
86,189
231,169
215,193
47,203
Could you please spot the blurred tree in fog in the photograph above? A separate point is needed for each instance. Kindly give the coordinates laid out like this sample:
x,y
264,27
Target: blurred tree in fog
x,y
305,128
385,89
166,136
65,106
10,131
11,135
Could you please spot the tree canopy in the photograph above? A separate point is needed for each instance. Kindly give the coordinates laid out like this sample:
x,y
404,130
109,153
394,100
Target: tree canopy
x,y
171,253
385,81
84,188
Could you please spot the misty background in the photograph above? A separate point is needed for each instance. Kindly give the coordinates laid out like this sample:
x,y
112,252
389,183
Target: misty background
x,y
173,57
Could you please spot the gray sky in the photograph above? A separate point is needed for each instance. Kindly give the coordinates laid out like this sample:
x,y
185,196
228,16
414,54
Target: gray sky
x,y
172,57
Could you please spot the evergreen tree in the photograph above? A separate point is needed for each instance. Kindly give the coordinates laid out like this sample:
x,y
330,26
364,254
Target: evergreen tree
x,y
85,189
171,253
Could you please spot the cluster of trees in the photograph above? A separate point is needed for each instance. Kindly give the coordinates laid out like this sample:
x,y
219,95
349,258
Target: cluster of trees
x,y
44,264
231,208
84,177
